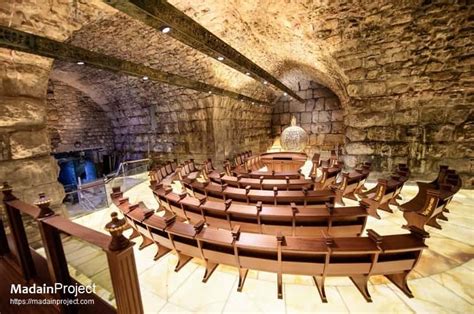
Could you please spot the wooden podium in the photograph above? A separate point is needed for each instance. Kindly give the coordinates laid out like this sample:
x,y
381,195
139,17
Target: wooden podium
x,y
284,161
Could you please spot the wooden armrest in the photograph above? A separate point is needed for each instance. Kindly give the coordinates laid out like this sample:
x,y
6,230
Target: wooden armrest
x,y
236,232
201,199
328,239
198,227
132,207
377,238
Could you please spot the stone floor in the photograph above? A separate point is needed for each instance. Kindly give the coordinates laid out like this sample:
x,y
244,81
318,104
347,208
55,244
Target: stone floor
x,y
443,281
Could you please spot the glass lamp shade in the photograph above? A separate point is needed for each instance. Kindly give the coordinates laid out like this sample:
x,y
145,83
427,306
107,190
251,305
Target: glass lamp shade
x,y
294,138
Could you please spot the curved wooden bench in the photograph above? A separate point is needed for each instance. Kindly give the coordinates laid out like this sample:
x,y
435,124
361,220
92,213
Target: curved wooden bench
x,y
249,195
385,192
351,184
359,258
428,205
267,219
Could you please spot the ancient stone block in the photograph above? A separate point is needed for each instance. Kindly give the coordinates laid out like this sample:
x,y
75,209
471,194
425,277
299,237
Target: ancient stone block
x,y
25,144
306,117
337,127
355,134
337,115
296,106
381,134
331,104
432,116
324,116
406,117
358,148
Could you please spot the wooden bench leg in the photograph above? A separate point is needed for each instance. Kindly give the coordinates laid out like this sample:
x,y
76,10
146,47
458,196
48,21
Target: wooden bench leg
x,y
441,216
433,223
134,234
145,242
400,280
210,267
242,276
372,210
280,285
162,251
319,282
351,196
182,260
360,282
385,206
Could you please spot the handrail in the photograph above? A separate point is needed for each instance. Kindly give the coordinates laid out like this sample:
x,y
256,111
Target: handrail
x,y
119,250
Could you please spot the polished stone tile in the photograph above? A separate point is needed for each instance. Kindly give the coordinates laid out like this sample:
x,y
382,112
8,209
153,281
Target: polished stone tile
x,y
257,296
197,296
384,300
441,282
306,299
459,281
432,297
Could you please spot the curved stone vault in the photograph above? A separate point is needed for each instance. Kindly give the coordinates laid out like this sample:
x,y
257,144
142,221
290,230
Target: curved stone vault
x,y
402,72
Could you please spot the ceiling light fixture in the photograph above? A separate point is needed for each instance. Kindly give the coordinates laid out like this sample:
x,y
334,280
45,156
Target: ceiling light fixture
x,y
247,73
265,82
285,94
166,29
209,92
145,78
220,58
80,62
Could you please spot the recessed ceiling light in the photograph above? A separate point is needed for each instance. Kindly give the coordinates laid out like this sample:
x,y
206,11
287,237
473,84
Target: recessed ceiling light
x,y
80,62
247,73
265,82
166,29
145,78
286,94
220,58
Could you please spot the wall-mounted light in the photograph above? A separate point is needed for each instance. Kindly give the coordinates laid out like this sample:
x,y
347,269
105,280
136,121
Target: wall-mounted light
x,y
165,29
285,94
265,82
209,92
220,58
247,73
80,62
145,78
253,103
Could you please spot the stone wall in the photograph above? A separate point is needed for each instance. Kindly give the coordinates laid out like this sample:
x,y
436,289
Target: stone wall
x,y
24,142
321,116
73,117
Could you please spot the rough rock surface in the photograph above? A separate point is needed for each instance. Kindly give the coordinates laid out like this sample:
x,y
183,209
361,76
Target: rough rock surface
x,y
402,71
73,117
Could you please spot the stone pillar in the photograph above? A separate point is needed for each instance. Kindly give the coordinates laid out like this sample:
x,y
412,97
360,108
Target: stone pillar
x,y
24,144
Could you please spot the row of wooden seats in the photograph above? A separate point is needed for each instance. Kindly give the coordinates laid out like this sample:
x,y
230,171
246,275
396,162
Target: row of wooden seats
x,y
240,158
324,181
259,218
249,195
261,183
164,173
431,200
386,192
351,183
358,258
248,166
